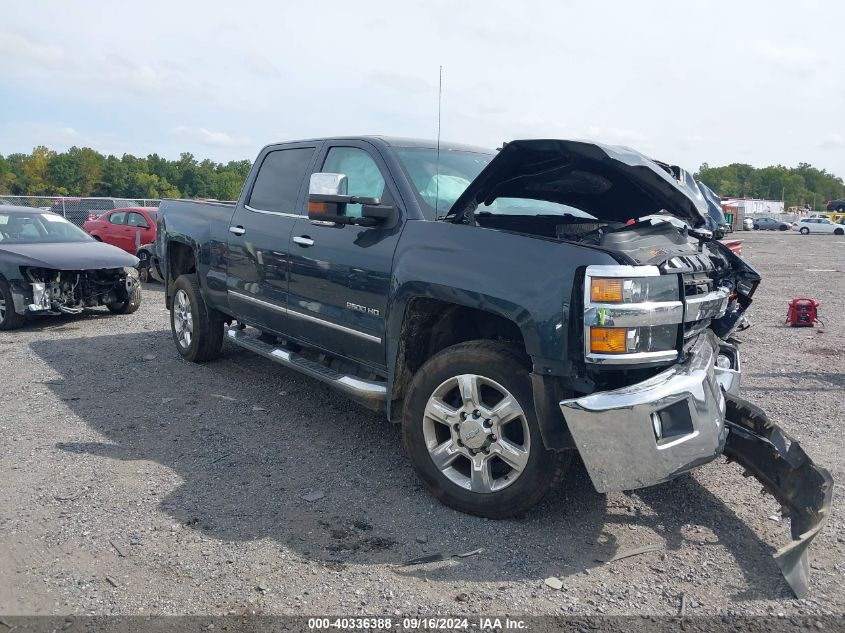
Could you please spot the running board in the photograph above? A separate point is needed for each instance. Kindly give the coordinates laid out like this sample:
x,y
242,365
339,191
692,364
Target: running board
x,y
369,393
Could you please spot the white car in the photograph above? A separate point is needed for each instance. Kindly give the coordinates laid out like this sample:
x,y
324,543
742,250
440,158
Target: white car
x,y
820,225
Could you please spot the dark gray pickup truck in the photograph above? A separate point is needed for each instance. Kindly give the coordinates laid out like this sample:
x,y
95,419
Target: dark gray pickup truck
x,y
507,308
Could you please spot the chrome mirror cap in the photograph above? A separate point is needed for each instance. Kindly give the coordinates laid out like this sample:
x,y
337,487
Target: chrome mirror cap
x,y
326,184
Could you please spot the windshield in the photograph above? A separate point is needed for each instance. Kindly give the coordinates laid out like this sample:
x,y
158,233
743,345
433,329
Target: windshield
x,y
38,228
439,185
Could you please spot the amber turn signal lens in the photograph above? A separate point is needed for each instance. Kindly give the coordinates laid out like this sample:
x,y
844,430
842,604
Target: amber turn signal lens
x,y
608,340
606,290
317,207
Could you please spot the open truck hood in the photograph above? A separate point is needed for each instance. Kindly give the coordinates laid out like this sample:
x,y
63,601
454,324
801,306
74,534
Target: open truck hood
x,y
612,183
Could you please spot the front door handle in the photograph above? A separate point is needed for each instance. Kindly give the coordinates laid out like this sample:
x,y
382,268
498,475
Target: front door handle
x,y
237,230
303,240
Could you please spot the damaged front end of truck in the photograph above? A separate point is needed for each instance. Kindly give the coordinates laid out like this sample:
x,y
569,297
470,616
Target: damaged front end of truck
x,y
658,370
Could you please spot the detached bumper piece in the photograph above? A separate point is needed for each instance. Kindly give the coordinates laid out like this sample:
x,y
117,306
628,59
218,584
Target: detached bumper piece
x,y
789,475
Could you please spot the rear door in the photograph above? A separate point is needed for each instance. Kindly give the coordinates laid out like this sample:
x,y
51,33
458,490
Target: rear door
x,y
340,274
259,235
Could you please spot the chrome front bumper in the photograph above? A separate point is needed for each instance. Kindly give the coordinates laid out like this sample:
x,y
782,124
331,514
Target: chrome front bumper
x,y
652,431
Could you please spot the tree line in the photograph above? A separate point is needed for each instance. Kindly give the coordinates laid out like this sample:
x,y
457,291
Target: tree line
x,y
86,172
797,186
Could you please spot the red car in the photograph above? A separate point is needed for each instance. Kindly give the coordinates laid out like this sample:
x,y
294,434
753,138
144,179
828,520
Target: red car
x,y
125,228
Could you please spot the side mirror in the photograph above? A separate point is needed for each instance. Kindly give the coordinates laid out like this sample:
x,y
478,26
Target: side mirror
x,y
327,200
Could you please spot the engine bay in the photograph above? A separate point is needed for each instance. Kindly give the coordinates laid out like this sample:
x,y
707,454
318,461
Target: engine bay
x,y
71,291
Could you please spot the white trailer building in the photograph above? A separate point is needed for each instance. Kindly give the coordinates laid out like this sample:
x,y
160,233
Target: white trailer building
x,y
754,206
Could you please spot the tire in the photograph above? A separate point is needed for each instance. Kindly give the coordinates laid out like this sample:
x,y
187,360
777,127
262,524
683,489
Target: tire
x,y
497,369
782,227
133,303
197,336
756,227
839,231
804,230
9,319
143,266
840,209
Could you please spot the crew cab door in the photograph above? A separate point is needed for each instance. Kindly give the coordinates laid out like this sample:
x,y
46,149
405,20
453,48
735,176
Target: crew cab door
x,y
259,235
340,274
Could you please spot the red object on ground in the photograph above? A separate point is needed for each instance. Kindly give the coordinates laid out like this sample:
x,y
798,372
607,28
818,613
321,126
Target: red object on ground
x,y
734,245
803,312
126,228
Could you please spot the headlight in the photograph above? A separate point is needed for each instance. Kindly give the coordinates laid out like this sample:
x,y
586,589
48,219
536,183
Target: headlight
x,y
632,314
636,290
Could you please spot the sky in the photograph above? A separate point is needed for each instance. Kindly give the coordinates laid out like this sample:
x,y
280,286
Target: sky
x,y
686,82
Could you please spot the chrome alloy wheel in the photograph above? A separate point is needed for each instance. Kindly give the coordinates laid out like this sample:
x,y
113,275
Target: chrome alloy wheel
x,y
183,320
476,433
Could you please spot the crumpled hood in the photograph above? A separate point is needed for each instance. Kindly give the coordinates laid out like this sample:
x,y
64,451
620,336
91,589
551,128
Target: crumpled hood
x,y
91,255
612,183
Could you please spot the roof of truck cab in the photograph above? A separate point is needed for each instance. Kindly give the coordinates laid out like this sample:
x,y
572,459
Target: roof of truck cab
x,y
398,141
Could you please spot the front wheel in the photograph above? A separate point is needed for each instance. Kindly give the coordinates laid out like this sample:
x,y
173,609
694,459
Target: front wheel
x,y
198,337
839,231
470,431
9,319
804,230
133,298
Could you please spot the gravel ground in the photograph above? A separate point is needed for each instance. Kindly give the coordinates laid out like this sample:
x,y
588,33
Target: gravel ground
x,y
134,482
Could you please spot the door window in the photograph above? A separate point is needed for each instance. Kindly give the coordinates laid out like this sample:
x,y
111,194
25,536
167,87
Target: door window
x,y
279,180
136,219
118,218
363,175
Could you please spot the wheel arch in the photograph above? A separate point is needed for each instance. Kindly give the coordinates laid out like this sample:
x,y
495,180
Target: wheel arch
x,y
426,324
180,259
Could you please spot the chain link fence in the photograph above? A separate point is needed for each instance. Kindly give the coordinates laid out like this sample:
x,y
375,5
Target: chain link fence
x,y
76,210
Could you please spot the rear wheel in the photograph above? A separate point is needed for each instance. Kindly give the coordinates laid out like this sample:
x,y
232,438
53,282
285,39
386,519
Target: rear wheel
x,y
470,431
839,231
198,337
804,230
9,319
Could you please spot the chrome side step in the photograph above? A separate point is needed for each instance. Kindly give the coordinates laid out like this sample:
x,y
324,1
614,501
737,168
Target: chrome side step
x,y
369,393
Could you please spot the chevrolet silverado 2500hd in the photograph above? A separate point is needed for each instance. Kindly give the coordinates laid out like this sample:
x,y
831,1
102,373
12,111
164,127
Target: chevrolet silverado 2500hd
x,y
508,309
